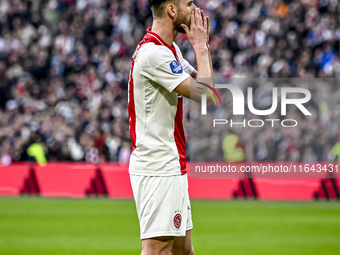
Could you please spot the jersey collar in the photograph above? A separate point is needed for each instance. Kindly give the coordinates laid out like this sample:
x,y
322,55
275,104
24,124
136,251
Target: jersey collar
x,y
155,38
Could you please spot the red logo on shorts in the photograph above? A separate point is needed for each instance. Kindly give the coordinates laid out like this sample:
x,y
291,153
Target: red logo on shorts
x,y
178,220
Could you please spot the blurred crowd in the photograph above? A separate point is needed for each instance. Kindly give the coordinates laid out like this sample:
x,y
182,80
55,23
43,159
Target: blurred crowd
x,y
64,66
299,138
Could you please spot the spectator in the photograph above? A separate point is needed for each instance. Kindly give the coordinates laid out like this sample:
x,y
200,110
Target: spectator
x,y
233,149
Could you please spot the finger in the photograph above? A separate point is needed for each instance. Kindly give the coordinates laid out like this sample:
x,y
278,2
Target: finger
x,y
185,27
193,20
198,17
203,19
202,14
208,26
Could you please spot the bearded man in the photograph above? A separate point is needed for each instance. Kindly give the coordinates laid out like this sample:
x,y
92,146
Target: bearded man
x,y
159,78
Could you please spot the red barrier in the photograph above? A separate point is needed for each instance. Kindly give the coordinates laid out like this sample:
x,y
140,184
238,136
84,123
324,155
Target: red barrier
x,y
116,180
246,189
286,189
12,178
80,179
212,188
117,183
328,189
97,186
205,188
65,179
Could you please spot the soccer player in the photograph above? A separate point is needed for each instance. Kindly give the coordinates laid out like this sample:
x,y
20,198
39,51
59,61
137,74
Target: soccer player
x,y
159,77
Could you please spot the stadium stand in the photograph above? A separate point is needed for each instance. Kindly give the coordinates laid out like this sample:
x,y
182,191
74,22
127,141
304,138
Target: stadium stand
x,y
64,66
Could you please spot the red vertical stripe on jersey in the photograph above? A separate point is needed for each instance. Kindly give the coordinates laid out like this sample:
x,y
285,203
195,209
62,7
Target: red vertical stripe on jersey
x,y
131,105
179,130
180,136
132,110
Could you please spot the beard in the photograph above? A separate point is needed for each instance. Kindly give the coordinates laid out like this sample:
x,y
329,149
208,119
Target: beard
x,y
181,20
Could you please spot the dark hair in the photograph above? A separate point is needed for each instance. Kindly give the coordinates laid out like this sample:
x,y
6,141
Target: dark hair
x,y
153,3
158,6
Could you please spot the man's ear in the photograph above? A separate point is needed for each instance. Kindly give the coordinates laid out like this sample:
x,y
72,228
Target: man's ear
x,y
171,11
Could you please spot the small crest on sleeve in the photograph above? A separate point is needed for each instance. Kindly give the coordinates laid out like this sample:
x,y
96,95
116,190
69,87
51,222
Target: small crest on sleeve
x,y
175,67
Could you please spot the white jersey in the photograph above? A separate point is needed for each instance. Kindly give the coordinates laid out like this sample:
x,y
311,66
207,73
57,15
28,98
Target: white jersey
x,y
155,110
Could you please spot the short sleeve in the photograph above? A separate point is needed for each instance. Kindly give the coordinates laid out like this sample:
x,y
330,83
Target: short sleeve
x,y
185,64
162,67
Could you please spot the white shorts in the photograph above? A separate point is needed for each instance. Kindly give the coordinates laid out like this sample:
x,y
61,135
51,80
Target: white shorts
x,y
163,205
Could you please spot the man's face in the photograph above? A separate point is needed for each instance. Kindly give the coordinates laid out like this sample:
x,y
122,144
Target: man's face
x,y
184,10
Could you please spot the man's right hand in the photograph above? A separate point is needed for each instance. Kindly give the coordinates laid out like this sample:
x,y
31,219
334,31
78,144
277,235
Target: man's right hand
x,y
198,36
198,33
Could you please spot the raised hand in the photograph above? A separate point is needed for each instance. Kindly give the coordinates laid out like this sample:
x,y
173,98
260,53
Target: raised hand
x,y
198,34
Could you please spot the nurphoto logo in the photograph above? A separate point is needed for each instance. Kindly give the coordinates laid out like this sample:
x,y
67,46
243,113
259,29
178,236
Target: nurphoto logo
x,y
238,107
